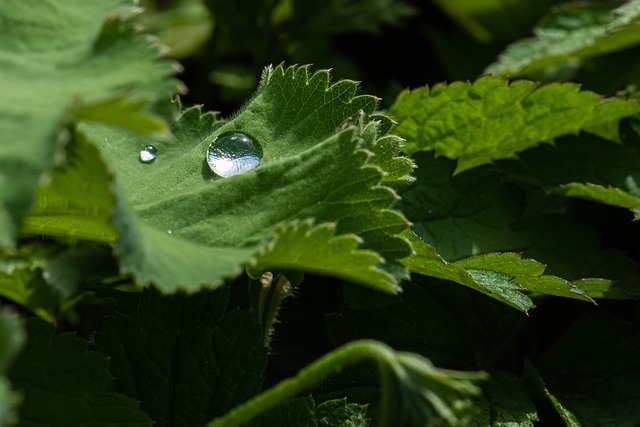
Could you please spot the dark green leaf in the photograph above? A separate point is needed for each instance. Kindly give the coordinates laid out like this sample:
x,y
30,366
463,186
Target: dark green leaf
x,y
183,358
64,383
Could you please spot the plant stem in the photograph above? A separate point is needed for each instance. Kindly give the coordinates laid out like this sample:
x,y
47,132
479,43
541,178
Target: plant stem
x,y
319,370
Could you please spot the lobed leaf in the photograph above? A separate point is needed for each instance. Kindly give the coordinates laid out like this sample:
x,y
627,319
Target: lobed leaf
x,y
90,63
585,167
477,123
464,222
176,209
571,32
183,357
64,383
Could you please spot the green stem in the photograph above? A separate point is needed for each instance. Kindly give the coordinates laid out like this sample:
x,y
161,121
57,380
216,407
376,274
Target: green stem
x,y
319,370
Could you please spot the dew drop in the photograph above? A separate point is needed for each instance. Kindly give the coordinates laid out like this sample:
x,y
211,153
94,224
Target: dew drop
x,y
148,154
232,154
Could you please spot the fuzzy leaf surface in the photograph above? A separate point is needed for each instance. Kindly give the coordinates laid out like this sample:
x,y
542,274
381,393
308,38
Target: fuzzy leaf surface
x,y
175,207
82,55
64,383
571,32
183,357
477,123
303,411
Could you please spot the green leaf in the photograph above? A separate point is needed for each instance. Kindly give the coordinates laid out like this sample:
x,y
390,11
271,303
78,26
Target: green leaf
x,y
488,20
592,371
183,357
85,56
77,201
584,167
477,123
508,404
466,220
414,391
64,383
303,411
175,208
573,31
12,339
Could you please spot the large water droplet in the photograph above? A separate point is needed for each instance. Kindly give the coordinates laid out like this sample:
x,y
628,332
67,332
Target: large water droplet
x,y
232,154
148,154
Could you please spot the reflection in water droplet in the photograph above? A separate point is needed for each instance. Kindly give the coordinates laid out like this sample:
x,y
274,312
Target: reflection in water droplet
x,y
148,154
233,154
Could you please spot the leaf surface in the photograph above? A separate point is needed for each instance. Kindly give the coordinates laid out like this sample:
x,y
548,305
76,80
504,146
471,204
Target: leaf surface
x,y
88,61
477,123
579,374
311,169
183,357
571,32
12,339
475,232
64,383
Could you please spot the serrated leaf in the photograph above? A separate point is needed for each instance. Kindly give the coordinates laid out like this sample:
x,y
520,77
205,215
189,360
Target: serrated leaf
x,y
308,171
584,167
572,31
477,123
464,221
12,339
80,54
318,250
183,357
592,370
64,383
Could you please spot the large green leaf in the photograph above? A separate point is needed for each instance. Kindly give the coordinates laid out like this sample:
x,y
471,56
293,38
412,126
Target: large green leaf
x,y
64,383
304,411
475,229
491,118
572,31
183,357
89,62
183,227
12,339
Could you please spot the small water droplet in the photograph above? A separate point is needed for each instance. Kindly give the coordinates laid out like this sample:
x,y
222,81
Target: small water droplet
x,y
232,154
148,154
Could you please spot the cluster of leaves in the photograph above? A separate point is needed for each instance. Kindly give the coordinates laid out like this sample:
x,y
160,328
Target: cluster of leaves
x,y
448,254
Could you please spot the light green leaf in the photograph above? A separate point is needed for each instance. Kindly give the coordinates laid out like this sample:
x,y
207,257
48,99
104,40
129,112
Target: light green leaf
x,y
64,383
573,31
175,208
12,339
82,55
491,118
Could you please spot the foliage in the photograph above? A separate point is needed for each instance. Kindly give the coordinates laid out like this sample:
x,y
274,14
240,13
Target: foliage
x,y
458,254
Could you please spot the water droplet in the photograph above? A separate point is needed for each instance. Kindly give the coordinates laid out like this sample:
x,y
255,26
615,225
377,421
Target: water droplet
x,y
232,154
148,154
